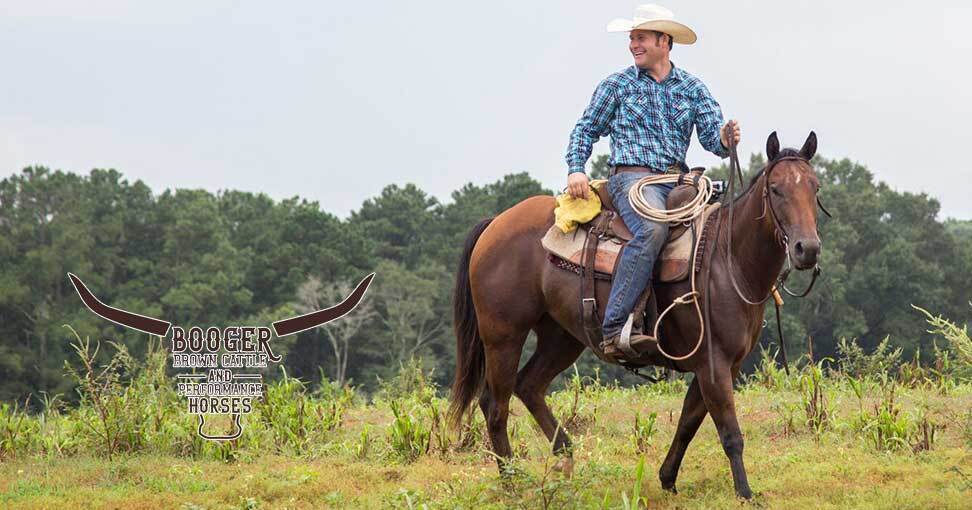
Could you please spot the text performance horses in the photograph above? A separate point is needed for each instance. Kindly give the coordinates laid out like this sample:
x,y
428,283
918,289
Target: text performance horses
x,y
505,287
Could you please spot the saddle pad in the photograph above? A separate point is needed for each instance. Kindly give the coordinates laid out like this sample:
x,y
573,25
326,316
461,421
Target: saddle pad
x,y
673,262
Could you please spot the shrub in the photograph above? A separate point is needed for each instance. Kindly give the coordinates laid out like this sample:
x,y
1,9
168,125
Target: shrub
x,y
294,419
409,436
768,373
887,429
854,362
16,431
411,382
125,406
942,375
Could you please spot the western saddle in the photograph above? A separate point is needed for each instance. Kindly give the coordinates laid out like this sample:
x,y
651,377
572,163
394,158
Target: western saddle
x,y
593,250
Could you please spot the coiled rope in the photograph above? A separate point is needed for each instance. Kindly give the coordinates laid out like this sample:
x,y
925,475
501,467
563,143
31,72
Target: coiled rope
x,y
682,214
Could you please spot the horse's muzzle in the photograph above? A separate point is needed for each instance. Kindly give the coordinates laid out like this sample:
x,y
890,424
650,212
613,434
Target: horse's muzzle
x,y
804,252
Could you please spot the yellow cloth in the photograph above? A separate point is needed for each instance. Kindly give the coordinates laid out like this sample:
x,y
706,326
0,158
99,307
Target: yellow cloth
x,y
571,211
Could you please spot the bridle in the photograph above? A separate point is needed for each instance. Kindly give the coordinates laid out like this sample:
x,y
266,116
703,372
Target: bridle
x,y
781,234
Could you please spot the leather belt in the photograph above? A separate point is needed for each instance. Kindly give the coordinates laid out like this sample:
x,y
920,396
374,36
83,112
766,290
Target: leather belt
x,y
676,168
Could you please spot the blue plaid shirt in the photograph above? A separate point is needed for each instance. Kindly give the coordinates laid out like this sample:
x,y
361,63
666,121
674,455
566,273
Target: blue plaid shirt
x,y
650,123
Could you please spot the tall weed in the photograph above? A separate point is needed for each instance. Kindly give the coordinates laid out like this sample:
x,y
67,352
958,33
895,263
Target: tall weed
x,y
644,431
814,399
855,362
296,420
768,373
576,404
958,337
16,431
125,406
409,435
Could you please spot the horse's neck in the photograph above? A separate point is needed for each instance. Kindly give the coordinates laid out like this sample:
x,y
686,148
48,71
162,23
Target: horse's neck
x,y
757,256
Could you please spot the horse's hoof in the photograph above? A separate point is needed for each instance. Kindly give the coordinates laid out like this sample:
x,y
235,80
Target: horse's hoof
x,y
565,465
745,493
667,481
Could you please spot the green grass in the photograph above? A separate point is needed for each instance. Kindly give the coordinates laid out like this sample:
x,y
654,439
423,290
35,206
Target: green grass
x,y
790,466
863,431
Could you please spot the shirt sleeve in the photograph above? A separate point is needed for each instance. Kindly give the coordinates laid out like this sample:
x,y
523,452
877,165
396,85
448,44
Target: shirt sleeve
x,y
708,121
593,124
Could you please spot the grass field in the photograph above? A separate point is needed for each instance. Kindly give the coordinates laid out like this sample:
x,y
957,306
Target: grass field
x,y
827,442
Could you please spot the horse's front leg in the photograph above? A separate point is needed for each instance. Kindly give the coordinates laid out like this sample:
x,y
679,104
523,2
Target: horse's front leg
x,y
718,399
693,412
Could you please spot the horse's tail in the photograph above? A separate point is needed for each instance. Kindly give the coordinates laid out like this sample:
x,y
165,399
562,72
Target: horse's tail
x,y
470,355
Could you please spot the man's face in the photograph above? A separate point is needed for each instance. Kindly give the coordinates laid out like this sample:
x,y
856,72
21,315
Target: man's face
x,y
647,47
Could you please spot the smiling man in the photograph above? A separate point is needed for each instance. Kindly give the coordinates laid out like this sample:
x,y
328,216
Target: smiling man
x,y
649,110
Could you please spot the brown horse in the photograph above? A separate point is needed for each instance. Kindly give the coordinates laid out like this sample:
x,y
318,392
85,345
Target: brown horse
x,y
505,287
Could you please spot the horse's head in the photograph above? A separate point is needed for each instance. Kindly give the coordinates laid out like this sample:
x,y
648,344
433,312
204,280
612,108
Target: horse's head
x,y
790,193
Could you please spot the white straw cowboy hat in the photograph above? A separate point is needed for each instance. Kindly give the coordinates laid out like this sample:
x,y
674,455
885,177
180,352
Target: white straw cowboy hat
x,y
657,18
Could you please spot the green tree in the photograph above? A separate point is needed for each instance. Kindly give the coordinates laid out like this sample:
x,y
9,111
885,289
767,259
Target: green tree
x,y
401,221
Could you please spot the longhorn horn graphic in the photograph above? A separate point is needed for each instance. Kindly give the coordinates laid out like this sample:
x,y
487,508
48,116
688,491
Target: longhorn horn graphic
x,y
160,328
319,318
121,317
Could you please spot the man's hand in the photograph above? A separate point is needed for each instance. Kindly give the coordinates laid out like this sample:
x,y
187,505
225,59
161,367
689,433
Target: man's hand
x,y
731,127
577,185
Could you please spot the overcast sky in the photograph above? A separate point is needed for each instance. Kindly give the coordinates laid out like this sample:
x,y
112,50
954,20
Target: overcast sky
x,y
333,101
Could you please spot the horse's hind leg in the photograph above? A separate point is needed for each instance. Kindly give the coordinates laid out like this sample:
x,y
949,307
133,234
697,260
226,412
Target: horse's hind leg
x,y
693,412
556,351
502,349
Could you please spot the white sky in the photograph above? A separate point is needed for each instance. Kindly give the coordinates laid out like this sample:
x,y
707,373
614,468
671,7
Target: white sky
x,y
334,101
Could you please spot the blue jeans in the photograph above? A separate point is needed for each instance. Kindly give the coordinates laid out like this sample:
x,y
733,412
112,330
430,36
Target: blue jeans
x,y
633,273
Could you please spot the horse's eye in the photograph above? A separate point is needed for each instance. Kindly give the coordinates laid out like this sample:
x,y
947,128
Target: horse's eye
x,y
776,190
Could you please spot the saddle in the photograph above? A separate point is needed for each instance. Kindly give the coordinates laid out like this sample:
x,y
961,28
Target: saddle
x,y
593,250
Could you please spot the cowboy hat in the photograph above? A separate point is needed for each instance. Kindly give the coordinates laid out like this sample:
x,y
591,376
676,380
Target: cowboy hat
x,y
657,18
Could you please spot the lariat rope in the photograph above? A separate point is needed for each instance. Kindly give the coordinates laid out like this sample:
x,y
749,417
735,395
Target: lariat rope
x,y
684,214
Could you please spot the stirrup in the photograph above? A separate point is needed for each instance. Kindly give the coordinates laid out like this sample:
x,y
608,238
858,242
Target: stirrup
x,y
621,344
624,341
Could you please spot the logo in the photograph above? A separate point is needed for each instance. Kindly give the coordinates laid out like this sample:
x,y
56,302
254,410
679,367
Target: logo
x,y
228,355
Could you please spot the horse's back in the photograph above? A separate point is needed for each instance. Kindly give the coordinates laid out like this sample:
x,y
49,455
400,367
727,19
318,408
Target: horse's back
x,y
505,266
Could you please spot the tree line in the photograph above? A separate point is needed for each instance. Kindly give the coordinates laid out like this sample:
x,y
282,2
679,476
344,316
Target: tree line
x,y
198,258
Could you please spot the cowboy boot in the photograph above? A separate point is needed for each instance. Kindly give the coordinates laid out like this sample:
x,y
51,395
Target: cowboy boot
x,y
642,319
615,347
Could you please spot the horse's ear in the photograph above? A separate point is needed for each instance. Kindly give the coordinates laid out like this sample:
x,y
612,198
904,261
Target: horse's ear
x,y
809,146
772,147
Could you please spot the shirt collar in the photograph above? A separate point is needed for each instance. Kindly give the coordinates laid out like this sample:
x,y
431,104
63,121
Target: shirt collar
x,y
674,76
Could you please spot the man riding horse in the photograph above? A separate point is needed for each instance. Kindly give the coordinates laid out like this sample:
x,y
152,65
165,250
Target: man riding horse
x,y
649,109
509,284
